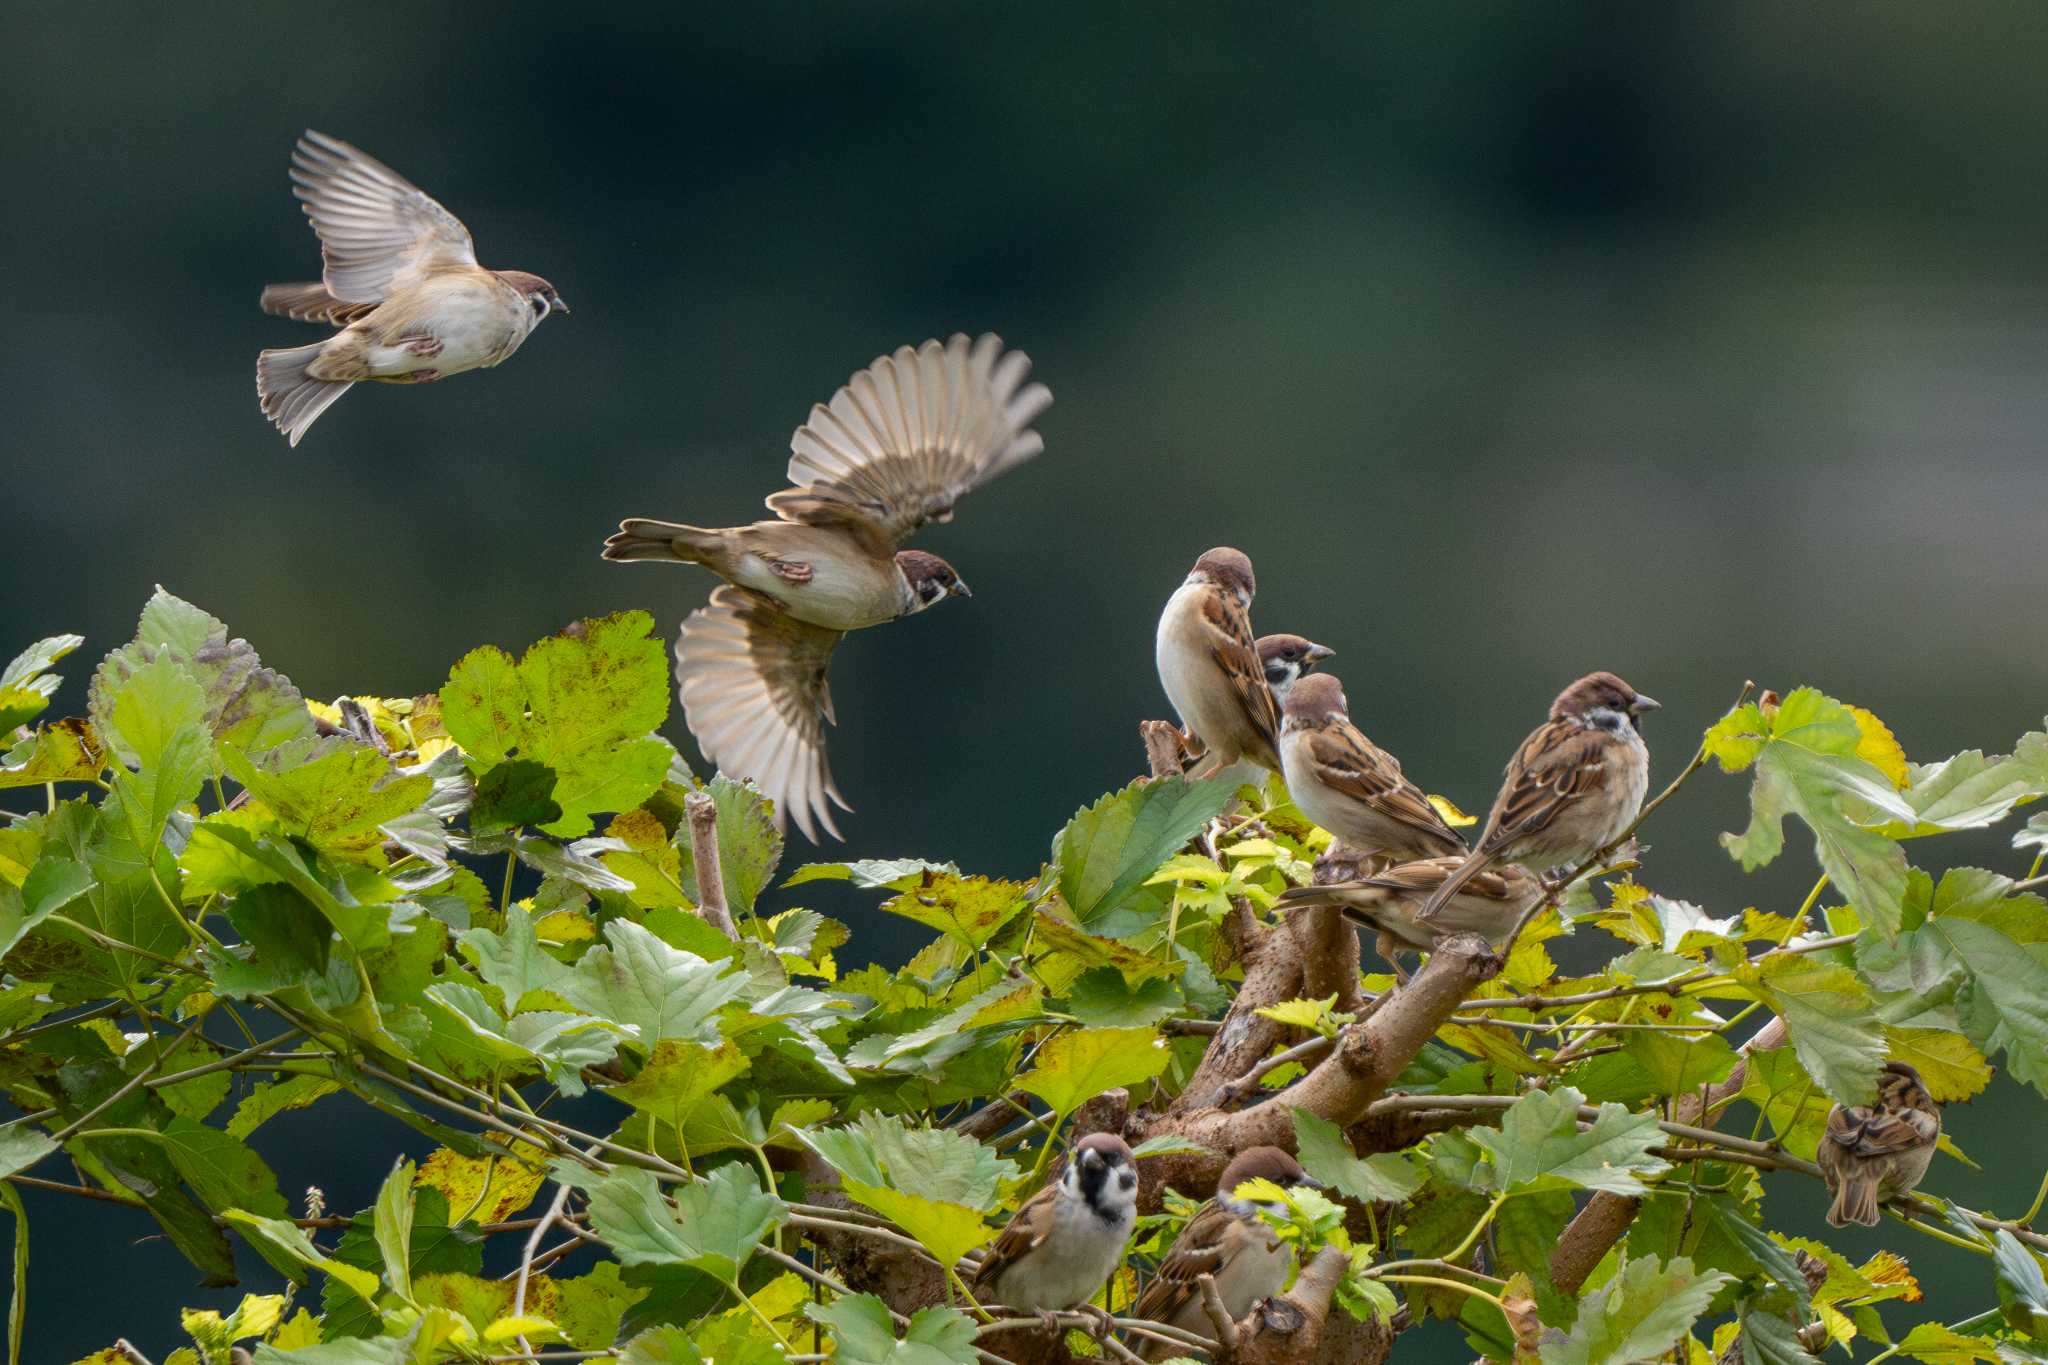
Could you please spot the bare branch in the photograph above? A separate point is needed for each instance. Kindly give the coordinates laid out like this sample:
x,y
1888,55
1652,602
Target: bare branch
x,y
703,817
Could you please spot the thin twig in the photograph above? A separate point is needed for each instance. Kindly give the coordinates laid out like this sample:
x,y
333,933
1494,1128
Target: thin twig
x,y
703,816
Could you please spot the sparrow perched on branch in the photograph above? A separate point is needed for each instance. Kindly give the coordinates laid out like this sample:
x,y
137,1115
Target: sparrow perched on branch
x,y
907,438
400,280
1571,789
1228,1241
1489,904
1209,665
1871,1153
1285,658
1350,786
1066,1240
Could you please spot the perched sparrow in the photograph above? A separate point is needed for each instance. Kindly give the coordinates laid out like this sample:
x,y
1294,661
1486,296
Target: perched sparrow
x,y
1226,1239
1351,787
1067,1239
1875,1152
1209,665
903,441
1571,789
401,281
1285,658
1489,904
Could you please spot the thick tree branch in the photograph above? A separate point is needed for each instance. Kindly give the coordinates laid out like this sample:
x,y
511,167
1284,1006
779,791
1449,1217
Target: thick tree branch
x,y
1288,1329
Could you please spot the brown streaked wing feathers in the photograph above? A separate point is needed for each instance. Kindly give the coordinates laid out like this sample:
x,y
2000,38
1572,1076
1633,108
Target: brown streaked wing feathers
x,y
1426,875
1198,1251
753,687
911,435
1032,1225
1229,628
1556,766
310,302
1868,1133
1346,763
374,225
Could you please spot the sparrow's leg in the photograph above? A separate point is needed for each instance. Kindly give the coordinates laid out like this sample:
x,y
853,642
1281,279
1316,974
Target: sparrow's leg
x,y
1050,1319
1387,949
1104,1322
791,570
424,346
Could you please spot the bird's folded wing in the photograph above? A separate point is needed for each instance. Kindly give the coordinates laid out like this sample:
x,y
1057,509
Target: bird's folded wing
x,y
1228,630
1031,1226
376,228
1374,777
1867,1132
1557,766
1198,1251
752,680
911,435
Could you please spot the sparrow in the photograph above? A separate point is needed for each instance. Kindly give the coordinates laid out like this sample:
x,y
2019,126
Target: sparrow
x,y
1229,1241
903,441
1285,658
1209,665
400,279
1571,789
1066,1240
1350,786
1871,1153
1489,904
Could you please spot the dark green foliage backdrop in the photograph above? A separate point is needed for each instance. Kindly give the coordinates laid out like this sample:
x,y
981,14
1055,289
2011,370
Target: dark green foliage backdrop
x,y
1702,343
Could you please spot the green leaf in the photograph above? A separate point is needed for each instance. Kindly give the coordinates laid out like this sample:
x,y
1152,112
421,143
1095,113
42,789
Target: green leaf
x,y
874,874
1995,946
1099,997
968,909
1828,1014
1326,1154
288,1239
1637,1315
1675,1064
1971,791
515,792
715,1226
944,1227
22,1147
1074,1067
53,883
335,800
680,1074
650,989
864,1335
2022,1292
749,844
392,1227
1807,764
271,1098
224,1172
584,702
1109,849
1940,1345
513,960
589,1308
1539,1146
364,927
937,1162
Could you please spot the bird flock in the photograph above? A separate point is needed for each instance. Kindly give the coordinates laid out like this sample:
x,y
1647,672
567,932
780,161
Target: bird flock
x,y
897,448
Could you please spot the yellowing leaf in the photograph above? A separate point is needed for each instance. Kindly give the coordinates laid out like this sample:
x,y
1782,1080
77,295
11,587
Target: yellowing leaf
x,y
1452,816
945,1229
506,1329
302,1330
1317,1016
1880,748
1075,1067
485,1189
1949,1063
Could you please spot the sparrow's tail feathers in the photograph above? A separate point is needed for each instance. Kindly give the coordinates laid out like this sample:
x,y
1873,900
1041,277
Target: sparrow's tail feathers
x,y
640,538
291,397
1855,1202
1467,870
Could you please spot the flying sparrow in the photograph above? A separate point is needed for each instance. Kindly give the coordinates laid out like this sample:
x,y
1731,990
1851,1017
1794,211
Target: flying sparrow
x,y
1285,659
1209,665
1571,789
1871,1153
900,444
400,280
1066,1239
1350,786
1227,1240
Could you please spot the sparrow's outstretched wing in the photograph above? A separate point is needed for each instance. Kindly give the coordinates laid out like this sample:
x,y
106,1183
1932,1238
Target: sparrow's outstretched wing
x,y
377,229
752,680
911,435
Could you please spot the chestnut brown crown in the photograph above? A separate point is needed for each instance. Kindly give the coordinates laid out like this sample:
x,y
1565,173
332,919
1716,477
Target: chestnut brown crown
x,y
1601,691
1229,569
1316,698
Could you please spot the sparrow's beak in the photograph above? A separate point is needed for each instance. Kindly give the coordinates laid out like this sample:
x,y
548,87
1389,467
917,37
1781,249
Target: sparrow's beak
x,y
558,306
1310,1181
1317,653
958,589
1643,703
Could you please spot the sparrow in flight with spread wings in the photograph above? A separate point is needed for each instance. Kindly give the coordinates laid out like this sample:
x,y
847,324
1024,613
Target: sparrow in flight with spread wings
x,y
896,448
400,280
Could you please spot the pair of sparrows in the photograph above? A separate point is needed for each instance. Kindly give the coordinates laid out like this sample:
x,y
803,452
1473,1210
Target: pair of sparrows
x,y
1068,1239
400,279
1873,1152
1572,788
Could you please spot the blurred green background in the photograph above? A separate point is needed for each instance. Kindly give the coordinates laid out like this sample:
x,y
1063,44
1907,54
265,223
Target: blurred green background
x,y
1699,342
